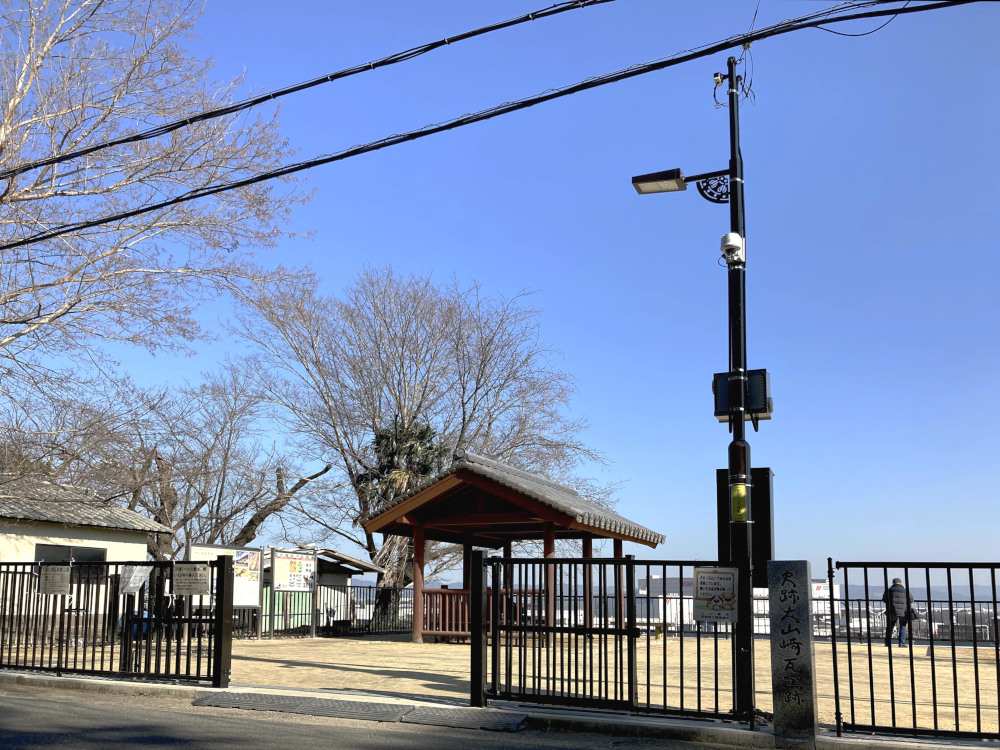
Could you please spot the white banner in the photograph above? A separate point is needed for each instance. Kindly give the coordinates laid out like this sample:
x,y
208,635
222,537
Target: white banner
x,y
133,577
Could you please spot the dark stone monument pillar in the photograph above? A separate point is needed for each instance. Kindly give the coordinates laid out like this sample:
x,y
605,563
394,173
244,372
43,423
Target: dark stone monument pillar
x,y
793,684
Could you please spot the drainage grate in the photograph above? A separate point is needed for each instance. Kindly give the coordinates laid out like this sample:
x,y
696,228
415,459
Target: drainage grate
x,y
467,718
307,706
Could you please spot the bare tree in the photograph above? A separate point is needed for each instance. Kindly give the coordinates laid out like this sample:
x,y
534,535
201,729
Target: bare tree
x,y
79,72
193,459
399,352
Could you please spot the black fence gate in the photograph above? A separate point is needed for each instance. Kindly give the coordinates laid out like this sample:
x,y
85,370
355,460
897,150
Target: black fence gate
x,y
609,633
98,629
945,680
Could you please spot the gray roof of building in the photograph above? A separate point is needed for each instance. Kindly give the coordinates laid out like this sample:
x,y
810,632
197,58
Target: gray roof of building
x,y
557,496
26,499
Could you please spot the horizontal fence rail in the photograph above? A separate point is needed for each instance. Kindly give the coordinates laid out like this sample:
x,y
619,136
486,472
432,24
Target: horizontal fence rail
x,y
97,629
945,680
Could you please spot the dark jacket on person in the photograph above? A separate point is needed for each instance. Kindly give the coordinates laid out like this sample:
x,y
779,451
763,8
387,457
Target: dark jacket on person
x,y
897,600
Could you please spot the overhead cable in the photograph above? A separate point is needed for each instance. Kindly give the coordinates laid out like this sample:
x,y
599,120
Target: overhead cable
x,y
812,20
269,96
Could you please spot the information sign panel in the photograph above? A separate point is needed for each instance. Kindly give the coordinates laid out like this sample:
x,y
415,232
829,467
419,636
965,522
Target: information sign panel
x,y
246,570
192,579
53,580
715,594
294,571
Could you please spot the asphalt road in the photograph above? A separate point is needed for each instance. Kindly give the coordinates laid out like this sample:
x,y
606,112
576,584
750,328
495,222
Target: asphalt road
x,y
36,717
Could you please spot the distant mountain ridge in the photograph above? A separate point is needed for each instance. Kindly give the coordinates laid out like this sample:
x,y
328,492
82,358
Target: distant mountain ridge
x,y
959,593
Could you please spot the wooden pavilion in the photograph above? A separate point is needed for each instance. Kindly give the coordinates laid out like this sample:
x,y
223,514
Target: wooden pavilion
x,y
483,503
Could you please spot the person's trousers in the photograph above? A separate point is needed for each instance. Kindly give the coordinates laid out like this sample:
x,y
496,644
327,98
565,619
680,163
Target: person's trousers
x,y
890,624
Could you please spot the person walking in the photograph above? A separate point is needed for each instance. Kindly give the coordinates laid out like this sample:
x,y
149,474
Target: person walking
x,y
898,605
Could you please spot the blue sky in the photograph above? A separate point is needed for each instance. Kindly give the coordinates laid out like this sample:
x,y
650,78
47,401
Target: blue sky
x,y
873,286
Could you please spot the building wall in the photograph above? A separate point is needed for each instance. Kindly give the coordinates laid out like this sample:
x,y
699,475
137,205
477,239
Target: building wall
x,y
18,540
334,579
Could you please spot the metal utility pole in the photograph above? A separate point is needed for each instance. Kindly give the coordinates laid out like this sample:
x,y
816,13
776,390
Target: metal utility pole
x,y
739,450
726,186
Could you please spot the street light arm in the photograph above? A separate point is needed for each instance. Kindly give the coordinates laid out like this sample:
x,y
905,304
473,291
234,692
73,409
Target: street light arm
x,y
706,176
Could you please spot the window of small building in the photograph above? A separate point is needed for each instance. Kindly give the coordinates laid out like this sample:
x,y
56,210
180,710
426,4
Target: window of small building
x,y
82,558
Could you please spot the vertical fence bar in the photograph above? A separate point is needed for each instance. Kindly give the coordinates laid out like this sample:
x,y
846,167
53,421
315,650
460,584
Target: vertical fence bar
x,y
871,670
975,647
477,598
954,656
683,626
838,718
631,631
930,648
495,614
996,637
888,645
223,625
5,625
911,624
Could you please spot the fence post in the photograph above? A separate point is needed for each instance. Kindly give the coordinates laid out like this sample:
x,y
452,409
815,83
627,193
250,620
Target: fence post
x,y
632,631
477,605
222,659
494,626
838,716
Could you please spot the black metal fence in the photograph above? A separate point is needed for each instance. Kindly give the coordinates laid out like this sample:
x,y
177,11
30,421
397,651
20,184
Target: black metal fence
x,y
567,631
337,610
366,610
99,629
946,680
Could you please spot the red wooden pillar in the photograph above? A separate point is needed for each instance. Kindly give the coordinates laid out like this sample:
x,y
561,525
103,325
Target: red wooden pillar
x,y
418,584
619,586
588,582
549,548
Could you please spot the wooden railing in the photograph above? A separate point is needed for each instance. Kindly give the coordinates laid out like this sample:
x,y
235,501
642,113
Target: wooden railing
x,y
446,612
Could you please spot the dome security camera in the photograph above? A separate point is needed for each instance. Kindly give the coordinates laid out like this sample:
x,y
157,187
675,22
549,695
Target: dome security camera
x,y
734,248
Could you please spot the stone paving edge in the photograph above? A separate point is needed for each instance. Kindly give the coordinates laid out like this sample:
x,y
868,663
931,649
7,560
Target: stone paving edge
x,y
538,718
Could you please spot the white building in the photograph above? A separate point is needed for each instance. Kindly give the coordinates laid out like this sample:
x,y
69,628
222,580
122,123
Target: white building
x,y
49,522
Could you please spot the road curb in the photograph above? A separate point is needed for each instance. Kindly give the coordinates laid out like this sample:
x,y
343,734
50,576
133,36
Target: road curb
x,y
103,686
651,728
640,727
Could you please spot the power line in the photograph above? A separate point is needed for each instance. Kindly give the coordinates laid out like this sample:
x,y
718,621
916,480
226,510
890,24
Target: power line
x,y
269,96
811,20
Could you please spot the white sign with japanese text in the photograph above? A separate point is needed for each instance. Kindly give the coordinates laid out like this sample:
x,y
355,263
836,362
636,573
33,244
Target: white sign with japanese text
x,y
192,579
53,580
715,594
294,571
246,570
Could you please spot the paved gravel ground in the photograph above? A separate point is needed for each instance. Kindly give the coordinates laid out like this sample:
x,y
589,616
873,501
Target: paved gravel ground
x,y
439,672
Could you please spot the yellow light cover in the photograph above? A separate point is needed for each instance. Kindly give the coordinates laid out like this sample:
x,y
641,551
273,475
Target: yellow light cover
x,y
738,495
